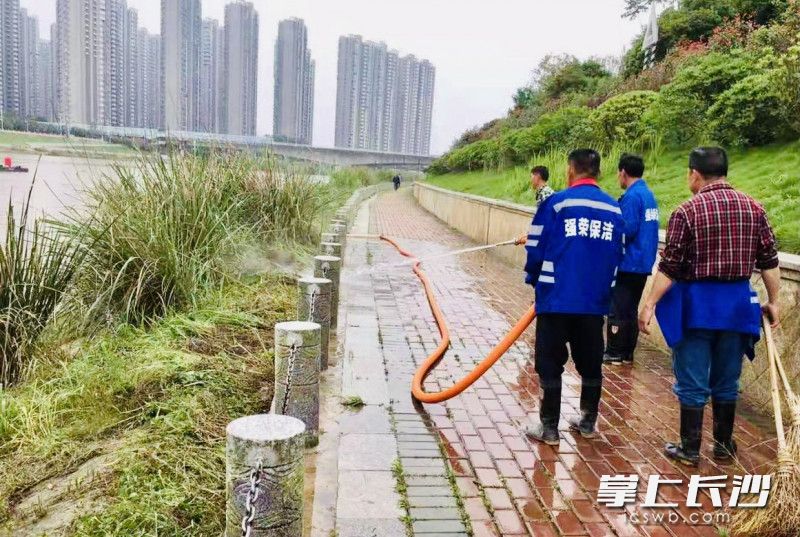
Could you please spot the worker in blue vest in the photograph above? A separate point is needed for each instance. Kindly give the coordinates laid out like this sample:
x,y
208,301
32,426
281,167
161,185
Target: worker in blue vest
x,y
640,214
574,247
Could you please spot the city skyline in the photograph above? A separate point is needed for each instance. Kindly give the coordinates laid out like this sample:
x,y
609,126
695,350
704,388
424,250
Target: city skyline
x,y
480,52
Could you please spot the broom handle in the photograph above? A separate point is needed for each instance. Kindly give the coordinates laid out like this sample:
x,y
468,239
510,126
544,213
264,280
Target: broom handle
x,y
790,394
773,377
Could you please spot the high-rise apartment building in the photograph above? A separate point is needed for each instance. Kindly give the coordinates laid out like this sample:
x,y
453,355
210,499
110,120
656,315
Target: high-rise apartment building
x,y
293,111
180,63
241,69
121,54
149,105
383,102
211,61
28,64
9,57
114,96
413,106
132,83
424,117
80,61
45,103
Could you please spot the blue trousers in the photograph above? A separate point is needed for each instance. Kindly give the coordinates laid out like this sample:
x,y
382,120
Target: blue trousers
x,y
708,363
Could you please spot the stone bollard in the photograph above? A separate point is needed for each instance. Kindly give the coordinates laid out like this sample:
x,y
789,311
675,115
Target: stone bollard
x,y
340,230
297,350
328,266
314,305
331,248
264,474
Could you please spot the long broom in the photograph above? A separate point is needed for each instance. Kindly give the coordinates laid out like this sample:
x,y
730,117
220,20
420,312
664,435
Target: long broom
x,y
793,402
781,516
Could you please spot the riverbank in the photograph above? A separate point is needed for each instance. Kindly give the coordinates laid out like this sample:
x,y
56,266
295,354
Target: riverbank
x,y
61,146
769,174
141,334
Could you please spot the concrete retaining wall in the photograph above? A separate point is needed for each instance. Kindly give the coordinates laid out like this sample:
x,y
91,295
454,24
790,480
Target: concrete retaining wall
x,y
484,220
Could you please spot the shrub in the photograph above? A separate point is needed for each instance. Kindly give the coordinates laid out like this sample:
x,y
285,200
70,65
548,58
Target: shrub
x,y
474,156
553,130
619,119
788,86
749,113
679,113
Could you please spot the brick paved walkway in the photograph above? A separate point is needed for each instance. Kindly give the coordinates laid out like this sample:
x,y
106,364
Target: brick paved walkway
x,y
506,484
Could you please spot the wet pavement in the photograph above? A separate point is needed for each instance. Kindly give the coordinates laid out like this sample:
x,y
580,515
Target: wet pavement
x,y
466,468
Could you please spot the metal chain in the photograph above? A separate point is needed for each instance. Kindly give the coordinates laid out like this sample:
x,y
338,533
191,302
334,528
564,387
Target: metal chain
x,y
252,496
312,305
289,369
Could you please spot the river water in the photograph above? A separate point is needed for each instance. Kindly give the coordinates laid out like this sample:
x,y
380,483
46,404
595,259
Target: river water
x,y
57,183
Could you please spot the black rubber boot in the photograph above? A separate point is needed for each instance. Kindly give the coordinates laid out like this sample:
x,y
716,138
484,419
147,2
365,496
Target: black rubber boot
x,y
631,335
547,429
590,401
614,342
688,451
724,416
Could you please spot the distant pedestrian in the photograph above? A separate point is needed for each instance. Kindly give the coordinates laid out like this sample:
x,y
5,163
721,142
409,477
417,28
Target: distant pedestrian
x,y
640,214
574,247
707,309
396,180
539,177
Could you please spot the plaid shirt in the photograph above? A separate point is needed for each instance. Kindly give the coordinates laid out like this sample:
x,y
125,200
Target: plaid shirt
x,y
720,234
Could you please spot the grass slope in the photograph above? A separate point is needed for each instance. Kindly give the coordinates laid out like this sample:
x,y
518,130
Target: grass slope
x,y
157,402
770,174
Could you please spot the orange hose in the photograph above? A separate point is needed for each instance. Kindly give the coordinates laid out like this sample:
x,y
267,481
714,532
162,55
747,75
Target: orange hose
x,y
430,362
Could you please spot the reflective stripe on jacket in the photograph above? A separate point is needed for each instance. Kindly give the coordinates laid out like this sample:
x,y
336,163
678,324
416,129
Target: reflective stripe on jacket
x,y
574,248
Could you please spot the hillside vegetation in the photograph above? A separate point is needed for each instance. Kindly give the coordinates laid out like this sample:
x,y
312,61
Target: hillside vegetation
x,y
727,73
770,174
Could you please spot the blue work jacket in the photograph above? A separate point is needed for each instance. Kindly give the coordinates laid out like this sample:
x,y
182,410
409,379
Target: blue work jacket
x,y
640,214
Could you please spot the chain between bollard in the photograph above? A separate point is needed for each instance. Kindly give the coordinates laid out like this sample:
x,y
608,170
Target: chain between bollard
x,y
289,369
312,304
252,496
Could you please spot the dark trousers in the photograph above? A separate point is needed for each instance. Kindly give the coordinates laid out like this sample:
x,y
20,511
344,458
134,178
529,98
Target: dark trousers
x,y
622,330
583,333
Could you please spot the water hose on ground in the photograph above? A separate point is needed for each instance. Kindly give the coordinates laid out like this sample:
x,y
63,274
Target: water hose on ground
x,y
431,361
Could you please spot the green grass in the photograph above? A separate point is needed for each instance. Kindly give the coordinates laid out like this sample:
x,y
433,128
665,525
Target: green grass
x,y
158,401
12,138
55,144
770,174
354,402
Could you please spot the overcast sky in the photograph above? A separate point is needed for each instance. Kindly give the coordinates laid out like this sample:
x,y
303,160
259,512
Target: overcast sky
x,y
483,50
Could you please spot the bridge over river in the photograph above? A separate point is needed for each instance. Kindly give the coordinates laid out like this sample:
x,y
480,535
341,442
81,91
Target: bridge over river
x,y
332,156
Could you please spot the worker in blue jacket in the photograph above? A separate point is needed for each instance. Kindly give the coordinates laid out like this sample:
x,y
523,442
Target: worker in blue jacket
x,y
640,214
574,247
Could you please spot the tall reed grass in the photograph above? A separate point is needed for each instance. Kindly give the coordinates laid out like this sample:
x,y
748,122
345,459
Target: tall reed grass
x,y
37,268
163,230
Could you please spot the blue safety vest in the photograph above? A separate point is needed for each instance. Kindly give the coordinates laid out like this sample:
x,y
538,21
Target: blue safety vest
x,y
710,305
574,248
640,213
